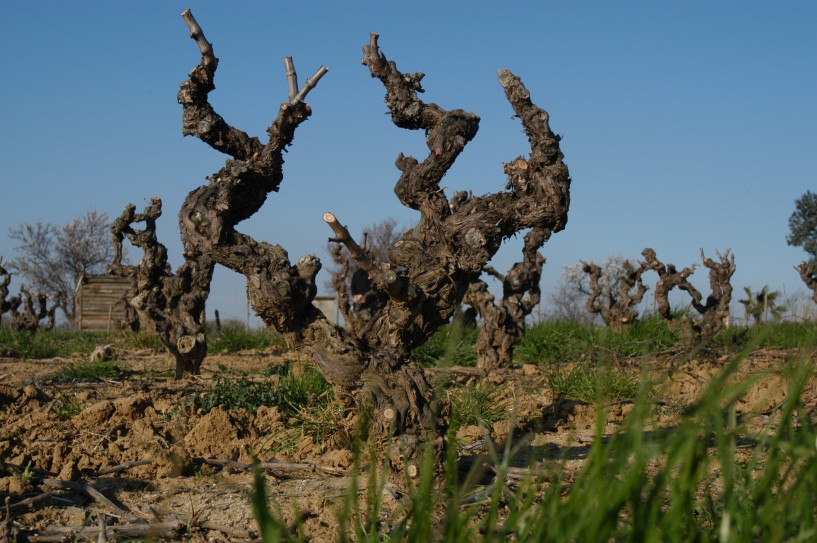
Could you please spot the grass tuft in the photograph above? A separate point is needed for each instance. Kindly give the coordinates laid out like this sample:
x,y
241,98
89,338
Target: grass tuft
x,y
590,383
295,388
451,345
91,371
475,404
708,479
237,338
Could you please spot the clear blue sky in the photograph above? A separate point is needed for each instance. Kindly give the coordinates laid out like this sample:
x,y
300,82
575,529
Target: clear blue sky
x,y
685,124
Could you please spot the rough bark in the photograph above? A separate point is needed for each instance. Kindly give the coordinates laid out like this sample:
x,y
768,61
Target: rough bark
x,y
503,323
668,278
8,303
808,273
616,306
26,308
358,310
715,311
428,270
172,304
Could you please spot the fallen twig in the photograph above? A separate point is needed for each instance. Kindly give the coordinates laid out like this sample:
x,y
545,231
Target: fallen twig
x,y
232,532
463,370
121,467
274,466
95,494
28,503
155,530
5,526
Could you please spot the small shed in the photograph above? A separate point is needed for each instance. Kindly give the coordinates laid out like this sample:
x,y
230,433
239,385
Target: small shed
x,y
100,302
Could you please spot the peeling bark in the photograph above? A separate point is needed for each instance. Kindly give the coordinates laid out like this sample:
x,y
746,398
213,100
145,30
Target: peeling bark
x,y
428,270
619,307
172,304
808,273
715,311
503,323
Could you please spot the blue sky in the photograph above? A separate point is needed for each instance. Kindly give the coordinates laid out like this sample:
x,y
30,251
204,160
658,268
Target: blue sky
x,y
685,125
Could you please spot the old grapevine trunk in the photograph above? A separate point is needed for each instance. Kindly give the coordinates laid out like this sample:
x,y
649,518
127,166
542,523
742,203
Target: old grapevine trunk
x,y
172,304
428,270
503,323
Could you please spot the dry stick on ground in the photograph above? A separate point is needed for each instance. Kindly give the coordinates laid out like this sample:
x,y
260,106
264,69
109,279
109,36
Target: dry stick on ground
x,y
715,311
273,466
171,304
122,467
808,273
428,271
619,309
171,529
29,503
503,324
6,535
94,494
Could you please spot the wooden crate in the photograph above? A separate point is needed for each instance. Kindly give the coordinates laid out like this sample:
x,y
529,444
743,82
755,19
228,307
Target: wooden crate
x,y
99,302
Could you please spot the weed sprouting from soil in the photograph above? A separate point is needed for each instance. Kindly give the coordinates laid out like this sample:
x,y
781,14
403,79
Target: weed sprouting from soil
x,y
91,371
707,462
710,478
233,339
591,383
451,345
292,388
475,404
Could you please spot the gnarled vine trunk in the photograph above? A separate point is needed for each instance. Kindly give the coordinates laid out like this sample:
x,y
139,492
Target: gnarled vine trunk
x,y
715,310
668,278
27,308
428,270
618,305
808,273
503,323
172,304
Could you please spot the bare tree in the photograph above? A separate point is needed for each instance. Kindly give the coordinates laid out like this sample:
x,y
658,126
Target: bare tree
x,y
53,258
428,270
503,323
568,298
614,291
715,311
171,303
